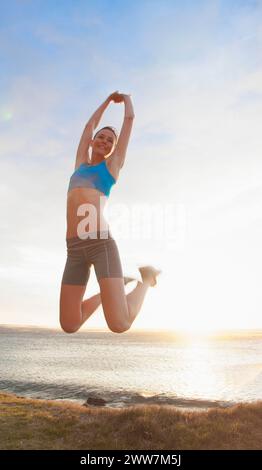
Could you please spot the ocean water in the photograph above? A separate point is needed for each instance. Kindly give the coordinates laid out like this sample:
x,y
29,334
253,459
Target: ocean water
x,y
131,368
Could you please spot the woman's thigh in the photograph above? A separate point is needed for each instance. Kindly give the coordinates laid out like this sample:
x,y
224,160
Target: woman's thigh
x,y
73,286
114,303
108,269
71,297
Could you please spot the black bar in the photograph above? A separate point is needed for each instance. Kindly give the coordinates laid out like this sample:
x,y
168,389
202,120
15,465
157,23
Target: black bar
x,y
190,459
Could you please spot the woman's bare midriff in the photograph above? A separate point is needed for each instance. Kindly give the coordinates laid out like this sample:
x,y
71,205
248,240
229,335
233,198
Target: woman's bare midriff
x,y
87,218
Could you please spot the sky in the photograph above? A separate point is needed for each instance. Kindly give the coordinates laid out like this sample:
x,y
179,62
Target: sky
x,y
189,196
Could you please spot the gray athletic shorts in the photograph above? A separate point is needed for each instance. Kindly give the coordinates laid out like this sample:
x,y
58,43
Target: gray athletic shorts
x,y
100,252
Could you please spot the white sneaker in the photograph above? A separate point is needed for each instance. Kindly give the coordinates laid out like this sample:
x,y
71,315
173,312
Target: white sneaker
x,y
149,273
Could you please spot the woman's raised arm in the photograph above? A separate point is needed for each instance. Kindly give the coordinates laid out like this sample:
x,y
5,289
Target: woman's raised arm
x,y
119,153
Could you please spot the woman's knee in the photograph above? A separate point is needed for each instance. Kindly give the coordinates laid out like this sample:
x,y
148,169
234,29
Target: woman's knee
x,y
69,327
118,327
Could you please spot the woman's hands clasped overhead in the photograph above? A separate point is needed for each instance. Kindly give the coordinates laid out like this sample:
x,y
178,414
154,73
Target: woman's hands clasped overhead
x,y
117,97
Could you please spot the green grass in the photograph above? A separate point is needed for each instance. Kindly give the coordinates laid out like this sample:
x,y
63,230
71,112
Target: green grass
x,y
45,424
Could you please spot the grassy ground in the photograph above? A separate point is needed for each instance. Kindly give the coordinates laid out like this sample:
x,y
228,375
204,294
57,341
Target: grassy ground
x,y
42,424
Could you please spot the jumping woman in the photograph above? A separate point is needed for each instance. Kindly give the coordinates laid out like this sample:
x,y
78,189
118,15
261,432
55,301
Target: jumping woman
x,y
88,191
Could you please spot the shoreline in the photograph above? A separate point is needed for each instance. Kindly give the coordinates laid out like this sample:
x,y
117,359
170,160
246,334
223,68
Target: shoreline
x,y
124,400
35,424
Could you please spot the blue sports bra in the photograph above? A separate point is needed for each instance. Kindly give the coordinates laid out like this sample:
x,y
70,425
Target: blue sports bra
x,y
92,176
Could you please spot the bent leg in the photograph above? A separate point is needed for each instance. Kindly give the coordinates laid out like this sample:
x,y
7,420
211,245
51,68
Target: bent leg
x,y
120,310
70,307
90,305
73,310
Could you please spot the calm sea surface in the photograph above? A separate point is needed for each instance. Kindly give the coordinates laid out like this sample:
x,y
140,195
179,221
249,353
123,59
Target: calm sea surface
x,y
130,368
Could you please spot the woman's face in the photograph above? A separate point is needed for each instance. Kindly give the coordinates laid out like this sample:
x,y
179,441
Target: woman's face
x,y
104,142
